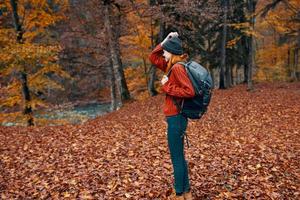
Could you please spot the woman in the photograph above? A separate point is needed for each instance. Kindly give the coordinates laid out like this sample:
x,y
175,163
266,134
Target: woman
x,y
177,87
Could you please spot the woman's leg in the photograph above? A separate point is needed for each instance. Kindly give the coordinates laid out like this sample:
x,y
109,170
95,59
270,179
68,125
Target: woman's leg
x,y
186,177
186,172
176,127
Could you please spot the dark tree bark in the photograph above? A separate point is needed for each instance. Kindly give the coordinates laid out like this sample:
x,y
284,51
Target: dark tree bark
x,y
295,64
209,67
228,75
113,41
231,78
292,52
152,70
125,95
229,33
238,78
251,56
27,110
250,64
223,82
292,63
113,89
246,72
245,46
296,68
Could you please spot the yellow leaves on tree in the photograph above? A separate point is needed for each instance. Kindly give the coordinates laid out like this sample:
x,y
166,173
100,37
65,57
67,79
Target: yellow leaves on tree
x,y
38,15
276,38
245,28
36,55
271,61
283,18
280,31
37,60
233,42
136,82
139,41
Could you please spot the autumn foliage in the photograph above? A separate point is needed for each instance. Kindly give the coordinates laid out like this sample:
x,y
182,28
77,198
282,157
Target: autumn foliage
x,y
278,35
29,54
245,147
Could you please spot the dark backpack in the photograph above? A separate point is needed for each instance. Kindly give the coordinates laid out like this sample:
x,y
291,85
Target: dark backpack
x,y
195,107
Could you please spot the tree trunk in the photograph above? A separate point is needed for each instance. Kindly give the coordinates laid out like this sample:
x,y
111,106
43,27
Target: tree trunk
x,y
246,72
231,76
291,65
209,66
244,44
288,63
27,110
223,81
228,66
250,65
113,90
152,77
125,95
27,98
295,66
297,70
113,41
228,74
151,86
238,78
152,72
211,71
251,57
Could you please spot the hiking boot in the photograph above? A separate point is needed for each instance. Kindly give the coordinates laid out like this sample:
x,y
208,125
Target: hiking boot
x,y
174,197
188,196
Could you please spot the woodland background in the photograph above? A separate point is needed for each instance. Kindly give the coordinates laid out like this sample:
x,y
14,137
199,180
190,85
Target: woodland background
x,y
58,56
60,53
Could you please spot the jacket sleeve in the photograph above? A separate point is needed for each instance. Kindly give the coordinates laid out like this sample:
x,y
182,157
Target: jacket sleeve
x,y
157,59
182,87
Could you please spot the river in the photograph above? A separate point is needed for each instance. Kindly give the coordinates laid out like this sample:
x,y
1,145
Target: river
x,y
75,115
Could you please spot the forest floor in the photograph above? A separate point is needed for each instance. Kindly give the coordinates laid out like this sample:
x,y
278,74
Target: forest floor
x,y
246,147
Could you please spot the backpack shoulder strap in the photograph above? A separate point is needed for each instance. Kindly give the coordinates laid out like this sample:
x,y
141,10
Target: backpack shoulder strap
x,y
169,72
182,63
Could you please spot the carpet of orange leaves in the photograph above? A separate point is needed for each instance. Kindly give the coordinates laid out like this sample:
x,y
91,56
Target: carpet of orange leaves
x,y
245,147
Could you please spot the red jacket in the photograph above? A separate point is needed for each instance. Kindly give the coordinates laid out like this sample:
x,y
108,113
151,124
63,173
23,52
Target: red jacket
x,y
178,85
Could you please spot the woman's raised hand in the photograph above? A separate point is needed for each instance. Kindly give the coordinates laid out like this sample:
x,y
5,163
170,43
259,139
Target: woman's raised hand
x,y
170,35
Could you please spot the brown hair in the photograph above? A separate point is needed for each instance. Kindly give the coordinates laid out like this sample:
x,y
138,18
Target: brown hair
x,y
175,59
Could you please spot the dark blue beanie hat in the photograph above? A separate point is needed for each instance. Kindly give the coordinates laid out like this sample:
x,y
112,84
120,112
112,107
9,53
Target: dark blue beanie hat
x,y
173,45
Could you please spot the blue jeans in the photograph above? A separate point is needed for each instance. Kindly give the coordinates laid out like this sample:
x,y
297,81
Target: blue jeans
x,y
177,125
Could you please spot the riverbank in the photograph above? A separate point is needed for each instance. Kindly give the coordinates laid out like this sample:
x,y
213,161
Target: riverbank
x,y
69,113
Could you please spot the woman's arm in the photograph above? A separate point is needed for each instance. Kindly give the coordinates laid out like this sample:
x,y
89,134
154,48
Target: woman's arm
x,y
181,85
157,59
